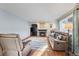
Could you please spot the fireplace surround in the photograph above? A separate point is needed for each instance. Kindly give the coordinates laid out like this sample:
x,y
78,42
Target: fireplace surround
x,y
42,32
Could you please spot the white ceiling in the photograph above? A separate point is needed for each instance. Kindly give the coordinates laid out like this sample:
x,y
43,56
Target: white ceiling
x,y
38,11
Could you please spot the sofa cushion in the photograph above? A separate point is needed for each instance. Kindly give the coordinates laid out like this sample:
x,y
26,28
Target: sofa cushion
x,y
59,37
65,38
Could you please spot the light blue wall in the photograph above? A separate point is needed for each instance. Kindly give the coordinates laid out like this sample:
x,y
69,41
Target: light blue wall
x,y
10,23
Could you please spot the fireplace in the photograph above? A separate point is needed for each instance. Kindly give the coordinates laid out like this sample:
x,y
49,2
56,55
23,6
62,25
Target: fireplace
x,y
42,32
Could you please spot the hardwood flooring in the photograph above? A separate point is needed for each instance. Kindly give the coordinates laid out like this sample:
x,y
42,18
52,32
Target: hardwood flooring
x,y
47,52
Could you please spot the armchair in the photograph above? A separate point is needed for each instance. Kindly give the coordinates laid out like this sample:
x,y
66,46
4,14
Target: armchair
x,y
12,45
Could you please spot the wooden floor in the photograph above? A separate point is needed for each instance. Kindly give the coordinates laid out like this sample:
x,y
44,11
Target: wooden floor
x,y
47,52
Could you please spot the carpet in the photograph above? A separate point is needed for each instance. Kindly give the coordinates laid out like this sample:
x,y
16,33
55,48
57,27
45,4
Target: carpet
x,y
39,44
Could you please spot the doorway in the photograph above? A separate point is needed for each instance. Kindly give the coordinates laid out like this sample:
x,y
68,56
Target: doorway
x,y
33,30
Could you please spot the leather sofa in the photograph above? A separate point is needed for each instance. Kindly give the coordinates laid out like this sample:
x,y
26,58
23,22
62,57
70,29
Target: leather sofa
x,y
11,45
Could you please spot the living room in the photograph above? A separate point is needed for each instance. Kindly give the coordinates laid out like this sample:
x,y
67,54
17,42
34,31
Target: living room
x,y
37,29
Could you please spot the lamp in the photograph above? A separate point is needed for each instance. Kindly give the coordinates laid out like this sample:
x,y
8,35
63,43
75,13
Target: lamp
x,y
69,27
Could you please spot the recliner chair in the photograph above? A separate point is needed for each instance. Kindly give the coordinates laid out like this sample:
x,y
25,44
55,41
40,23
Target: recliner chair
x,y
12,45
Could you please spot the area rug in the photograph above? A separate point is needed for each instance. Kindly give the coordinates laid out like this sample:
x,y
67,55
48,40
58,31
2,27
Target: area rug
x,y
39,44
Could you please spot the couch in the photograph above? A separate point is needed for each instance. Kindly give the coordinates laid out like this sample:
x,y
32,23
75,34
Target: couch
x,y
58,42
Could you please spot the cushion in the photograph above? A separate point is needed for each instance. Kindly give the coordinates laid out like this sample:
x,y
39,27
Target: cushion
x,y
59,37
64,37
52,34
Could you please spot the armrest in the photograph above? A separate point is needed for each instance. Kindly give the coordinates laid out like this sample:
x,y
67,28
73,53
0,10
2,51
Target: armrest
x,y
59,40
25,43
26,50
